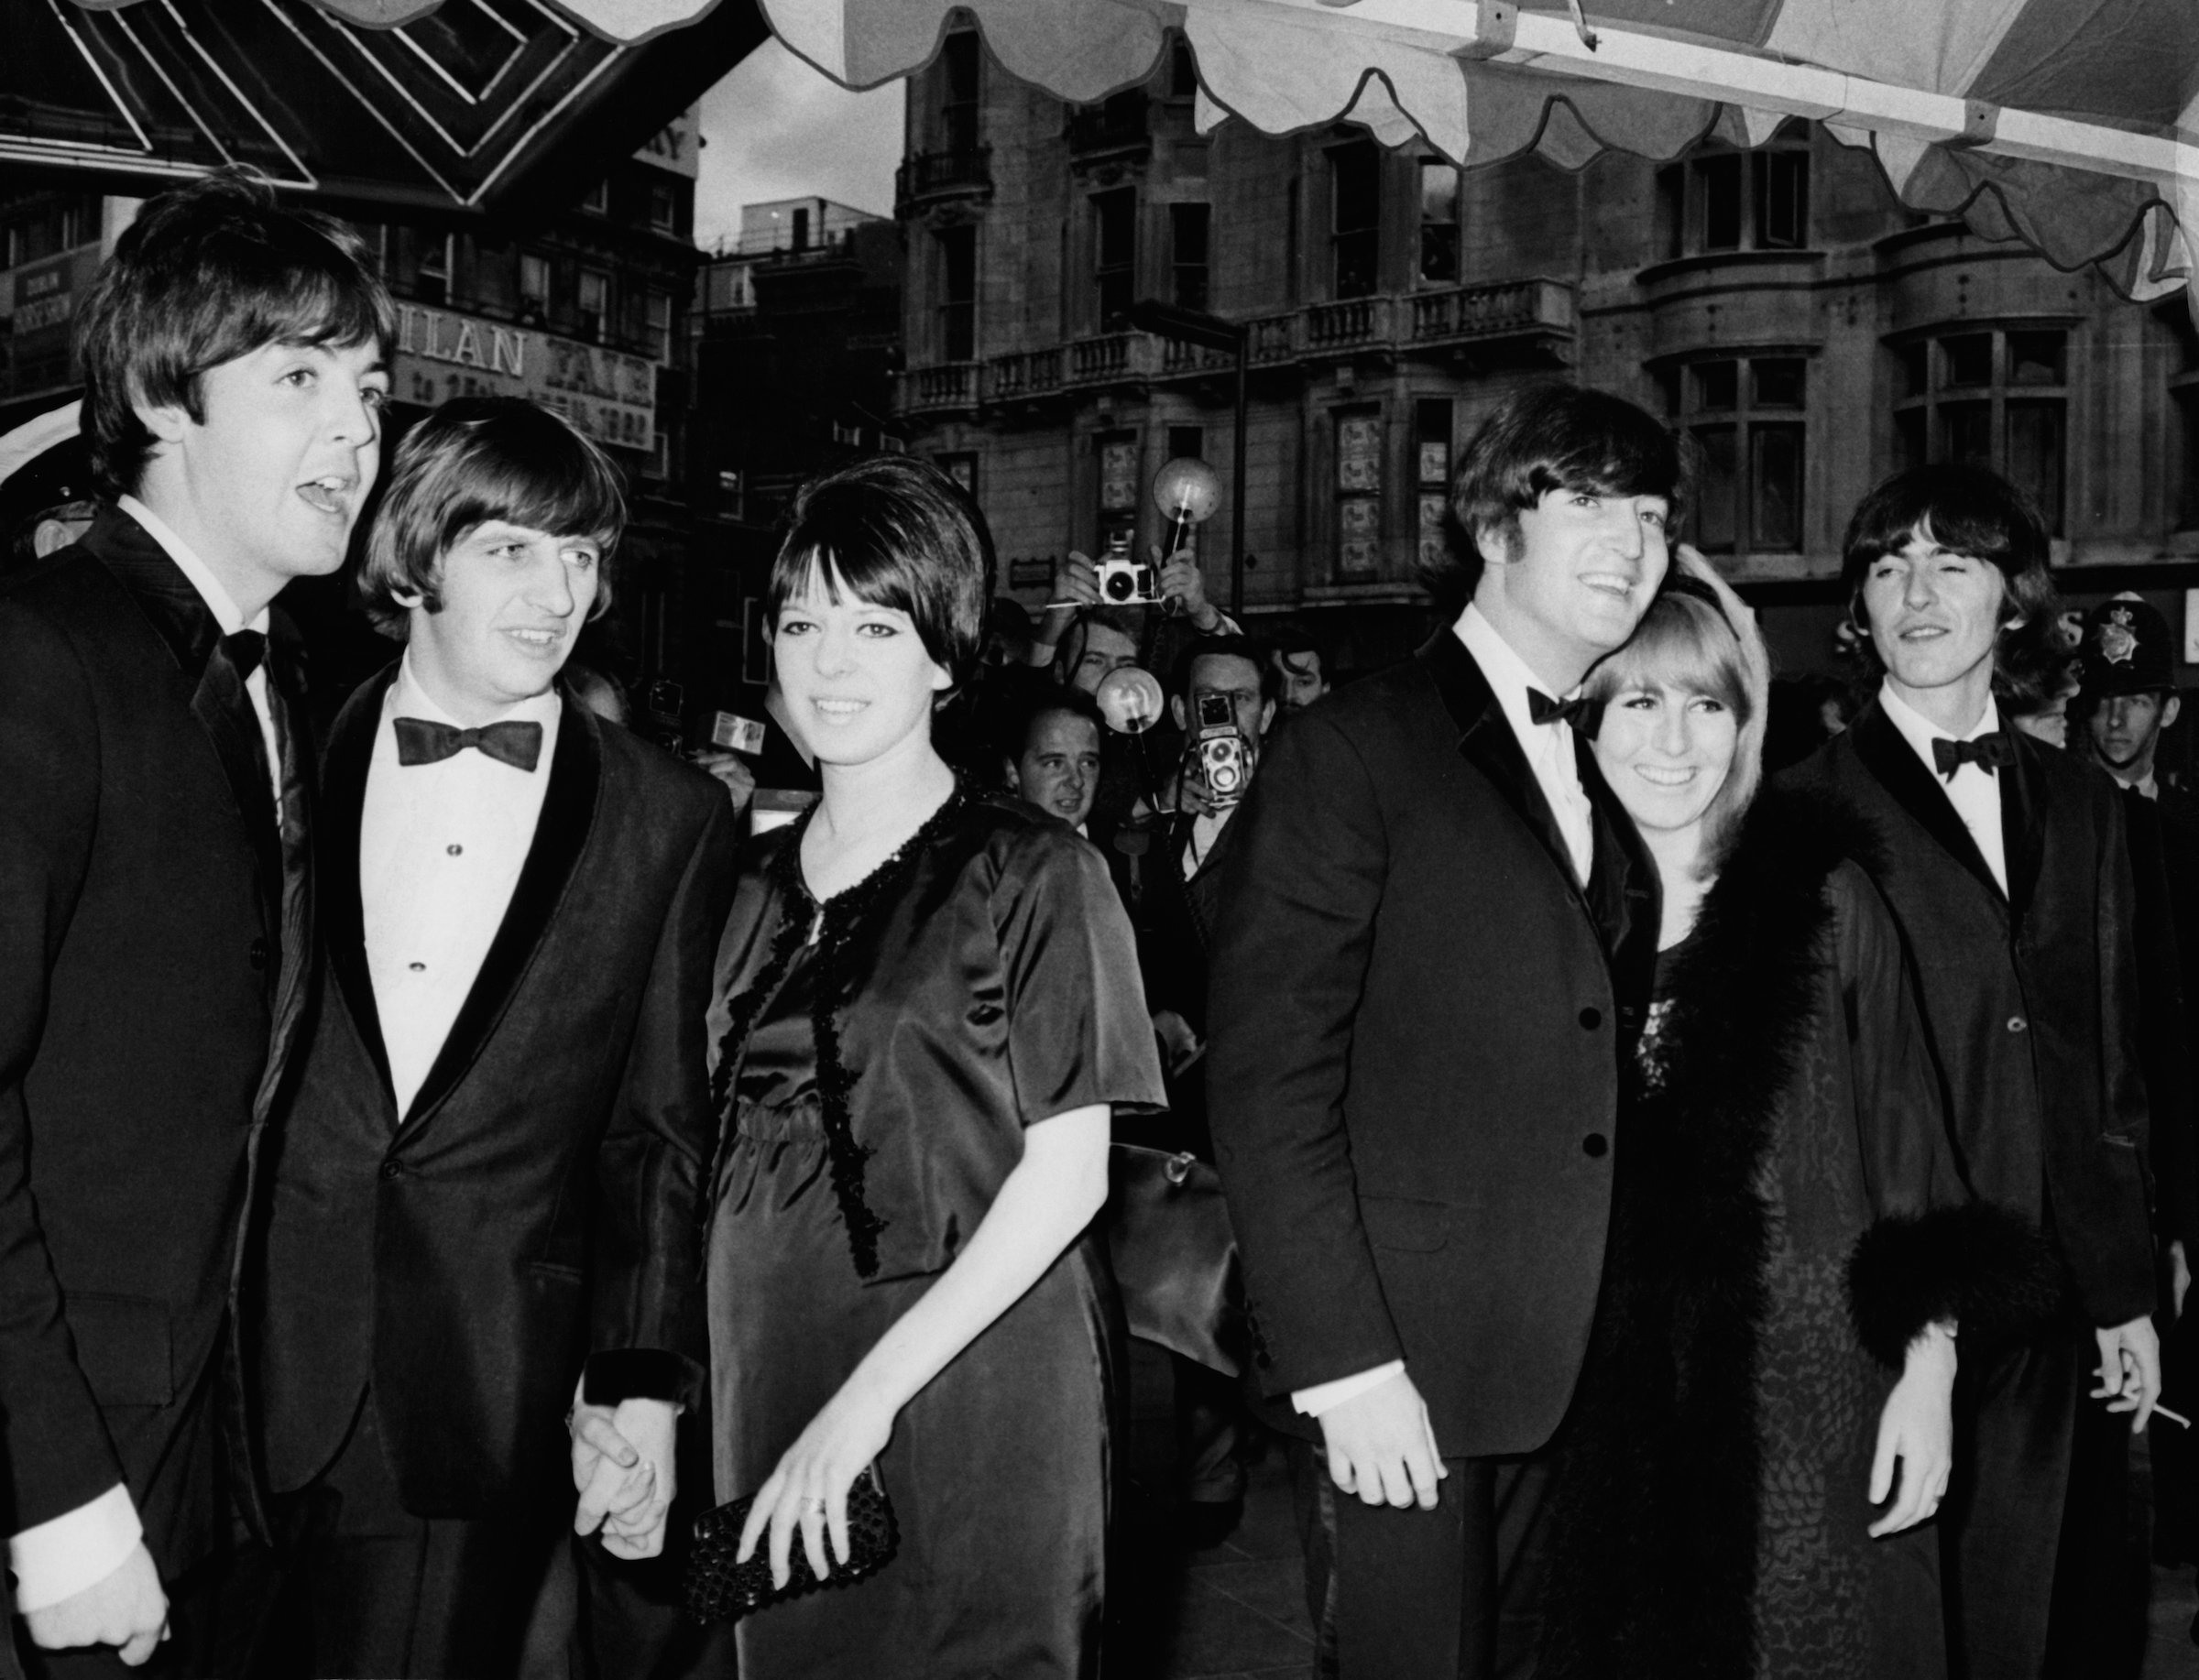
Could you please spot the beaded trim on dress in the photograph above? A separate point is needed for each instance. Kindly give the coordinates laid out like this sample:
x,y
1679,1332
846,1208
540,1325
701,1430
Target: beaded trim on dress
x,y
837,921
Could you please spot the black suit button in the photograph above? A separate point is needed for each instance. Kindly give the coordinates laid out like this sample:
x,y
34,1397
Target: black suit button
x,y
1592,1018
260,954
393,1169
1595,1146
2016,1023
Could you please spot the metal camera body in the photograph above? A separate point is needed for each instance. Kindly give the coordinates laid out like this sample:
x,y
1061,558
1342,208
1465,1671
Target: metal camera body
x,y
1225,758
1125,580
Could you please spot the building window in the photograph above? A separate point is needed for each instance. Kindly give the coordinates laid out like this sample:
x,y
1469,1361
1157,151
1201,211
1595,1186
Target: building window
x,y
1438,222
801,227
1188,229
656,324
594,297
598,197
1735,202
1745,419
1358,493
959,93
1355,218
962,469
957,293
534,288
1997,399
663,206
1183,71
1114,254
1431,457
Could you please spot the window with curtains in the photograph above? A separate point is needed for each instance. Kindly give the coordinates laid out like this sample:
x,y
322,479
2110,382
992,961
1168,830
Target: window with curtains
x,y
1115,254
1438,222
1355,219
1432,454
958,294
1190,227
1731,200
1744,418
1994,397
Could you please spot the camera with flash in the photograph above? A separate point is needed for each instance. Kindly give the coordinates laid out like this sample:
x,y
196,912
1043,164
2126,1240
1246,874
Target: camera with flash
x,y
1125,580
1224,756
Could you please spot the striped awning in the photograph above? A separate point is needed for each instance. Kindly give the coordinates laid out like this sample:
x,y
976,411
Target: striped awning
x,y
2070,123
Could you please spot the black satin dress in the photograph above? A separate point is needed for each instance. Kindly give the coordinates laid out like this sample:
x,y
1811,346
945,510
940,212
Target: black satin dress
x,y
877,1081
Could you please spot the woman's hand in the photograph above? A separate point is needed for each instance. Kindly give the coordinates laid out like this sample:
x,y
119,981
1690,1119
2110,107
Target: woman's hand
x,y
809,1488
1918,1428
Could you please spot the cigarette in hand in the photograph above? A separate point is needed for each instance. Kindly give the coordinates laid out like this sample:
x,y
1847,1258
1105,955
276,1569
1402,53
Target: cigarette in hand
x,y
2173,1417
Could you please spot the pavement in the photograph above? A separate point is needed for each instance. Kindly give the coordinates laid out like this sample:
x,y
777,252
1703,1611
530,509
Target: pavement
x,y
1238,1611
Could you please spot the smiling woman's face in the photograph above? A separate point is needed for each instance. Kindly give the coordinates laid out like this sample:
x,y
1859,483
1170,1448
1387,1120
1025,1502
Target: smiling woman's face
x,y
855,676
1666,751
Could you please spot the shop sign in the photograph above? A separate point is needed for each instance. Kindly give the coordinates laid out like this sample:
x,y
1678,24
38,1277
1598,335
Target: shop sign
x,y
607,394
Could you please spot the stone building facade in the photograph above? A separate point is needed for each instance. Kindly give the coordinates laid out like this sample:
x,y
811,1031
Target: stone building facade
x,y
1778,304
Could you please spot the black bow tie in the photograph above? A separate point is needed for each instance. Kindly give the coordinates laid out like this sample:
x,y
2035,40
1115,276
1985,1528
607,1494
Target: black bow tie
x,y
245,649
421,740
1582,714
1988,752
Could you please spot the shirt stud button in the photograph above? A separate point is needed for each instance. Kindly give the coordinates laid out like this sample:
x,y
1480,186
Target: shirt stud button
x,y
417,967
454,850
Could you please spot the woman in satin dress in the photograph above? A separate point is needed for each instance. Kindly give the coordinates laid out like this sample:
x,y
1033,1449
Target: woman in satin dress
x,y
927,1006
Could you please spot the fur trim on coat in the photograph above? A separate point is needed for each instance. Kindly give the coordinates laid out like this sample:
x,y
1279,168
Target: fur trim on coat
x,y
1994,1273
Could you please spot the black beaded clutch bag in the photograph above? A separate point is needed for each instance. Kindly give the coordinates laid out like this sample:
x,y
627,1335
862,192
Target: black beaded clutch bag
x,y
718,1590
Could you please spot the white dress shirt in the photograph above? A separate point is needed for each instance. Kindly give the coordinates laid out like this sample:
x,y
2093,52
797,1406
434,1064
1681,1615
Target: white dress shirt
x,y
1550,754
60,1558
1974,792
225,614
440,848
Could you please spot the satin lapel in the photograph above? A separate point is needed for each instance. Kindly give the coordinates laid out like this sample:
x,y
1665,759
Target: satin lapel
x,y
295,846
218,700
1486,741
560,836
1888,756
2022,822
225,712
336,858
1622,892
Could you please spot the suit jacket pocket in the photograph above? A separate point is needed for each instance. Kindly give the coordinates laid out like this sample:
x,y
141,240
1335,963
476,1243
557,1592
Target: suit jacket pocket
x,y
1404,1223
124,1348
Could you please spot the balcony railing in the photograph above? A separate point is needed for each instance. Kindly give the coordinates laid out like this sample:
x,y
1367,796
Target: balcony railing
x,y
1471,312
1423,323
963,172
1025,373
951,385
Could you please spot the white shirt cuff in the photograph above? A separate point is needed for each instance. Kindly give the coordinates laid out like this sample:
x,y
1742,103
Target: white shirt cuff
x,y
80,1548
1322,1396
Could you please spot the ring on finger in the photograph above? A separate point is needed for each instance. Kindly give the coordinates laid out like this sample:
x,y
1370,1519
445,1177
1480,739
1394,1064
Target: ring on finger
x,y
815,1504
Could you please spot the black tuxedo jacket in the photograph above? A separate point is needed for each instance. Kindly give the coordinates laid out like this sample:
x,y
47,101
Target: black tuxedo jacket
x,y
153,964
2030,997
540,1205
1418,1018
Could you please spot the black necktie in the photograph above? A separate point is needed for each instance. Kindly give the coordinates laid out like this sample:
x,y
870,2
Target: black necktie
x,y
1988,752
421,740
1584,714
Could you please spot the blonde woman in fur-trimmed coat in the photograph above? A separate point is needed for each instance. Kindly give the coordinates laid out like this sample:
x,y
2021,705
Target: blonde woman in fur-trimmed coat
x,y
1763,1430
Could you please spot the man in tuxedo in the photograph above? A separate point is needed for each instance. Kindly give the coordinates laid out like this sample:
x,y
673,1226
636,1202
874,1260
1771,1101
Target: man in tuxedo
x,y
2007,866
1435,944
155,937
491,1174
